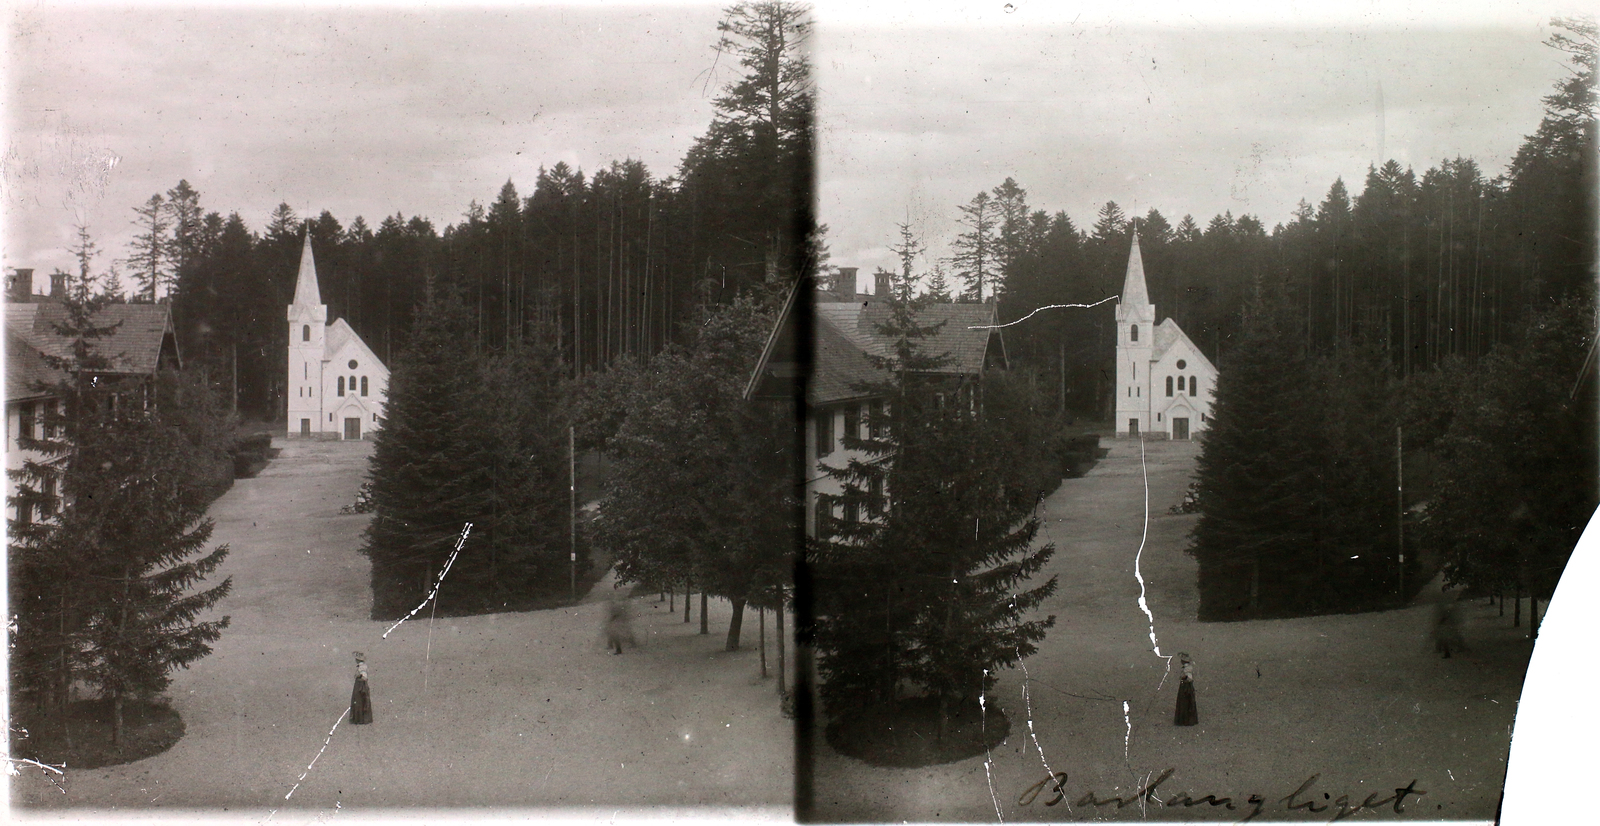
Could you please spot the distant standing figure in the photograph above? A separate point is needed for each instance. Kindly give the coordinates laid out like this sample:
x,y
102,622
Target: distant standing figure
x,y
361,695
1447,628
618,628
1188,713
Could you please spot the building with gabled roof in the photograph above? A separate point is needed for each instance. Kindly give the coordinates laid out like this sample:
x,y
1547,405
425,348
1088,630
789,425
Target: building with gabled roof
x,y
1164,383
339,383
845,338
138,340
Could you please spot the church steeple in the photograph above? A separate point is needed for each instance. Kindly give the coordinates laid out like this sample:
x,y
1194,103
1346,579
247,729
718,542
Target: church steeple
x,y
1134,293
305,288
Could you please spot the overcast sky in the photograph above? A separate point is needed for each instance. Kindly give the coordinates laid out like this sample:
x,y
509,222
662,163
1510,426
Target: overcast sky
x,y
391,109
1247,114
357,112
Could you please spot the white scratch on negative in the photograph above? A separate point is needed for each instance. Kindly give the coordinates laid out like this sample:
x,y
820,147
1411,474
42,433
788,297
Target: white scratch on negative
x,y
11,769
314,760
1137,557
1040,310
440,581
1126,738
988,756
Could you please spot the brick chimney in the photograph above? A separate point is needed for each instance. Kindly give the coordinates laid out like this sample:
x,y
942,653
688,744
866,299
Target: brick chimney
x,y
58,285
880,284
19,285
844,285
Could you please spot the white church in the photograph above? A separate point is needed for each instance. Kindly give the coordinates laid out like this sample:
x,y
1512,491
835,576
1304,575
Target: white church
x,y
1164,383
338,385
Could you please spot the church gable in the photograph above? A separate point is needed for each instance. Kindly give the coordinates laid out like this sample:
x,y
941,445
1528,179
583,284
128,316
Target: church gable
x,y
344,344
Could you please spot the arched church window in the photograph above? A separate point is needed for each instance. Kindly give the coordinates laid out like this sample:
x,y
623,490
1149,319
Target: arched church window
x,y
341,385
305,332
1133,333
1194,386
363,385
1169,385
1180,384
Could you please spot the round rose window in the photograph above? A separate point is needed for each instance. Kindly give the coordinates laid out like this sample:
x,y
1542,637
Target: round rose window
x,y
353,364
1181,364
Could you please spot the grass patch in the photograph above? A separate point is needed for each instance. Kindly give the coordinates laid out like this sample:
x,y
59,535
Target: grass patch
x,y
80,736
908,735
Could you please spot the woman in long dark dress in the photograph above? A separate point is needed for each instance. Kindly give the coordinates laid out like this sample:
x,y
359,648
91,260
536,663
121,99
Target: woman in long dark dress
x,y
1188,713
361,695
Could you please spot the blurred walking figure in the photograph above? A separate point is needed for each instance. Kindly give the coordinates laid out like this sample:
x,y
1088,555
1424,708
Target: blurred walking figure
x,y
1188,712
618,626
361,695
1447,627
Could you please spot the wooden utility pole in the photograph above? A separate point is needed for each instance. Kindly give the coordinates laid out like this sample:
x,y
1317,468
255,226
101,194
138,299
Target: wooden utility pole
x,y
572,512
1400,503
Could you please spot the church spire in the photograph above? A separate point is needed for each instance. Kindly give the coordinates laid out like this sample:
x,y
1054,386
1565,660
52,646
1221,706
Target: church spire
x,y
1134,293
305,288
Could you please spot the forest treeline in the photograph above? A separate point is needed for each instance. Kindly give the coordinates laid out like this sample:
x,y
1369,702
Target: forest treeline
x,y
614,259
1426,267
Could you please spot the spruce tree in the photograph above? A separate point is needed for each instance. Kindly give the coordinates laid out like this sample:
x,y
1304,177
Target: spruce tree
x,y
430,466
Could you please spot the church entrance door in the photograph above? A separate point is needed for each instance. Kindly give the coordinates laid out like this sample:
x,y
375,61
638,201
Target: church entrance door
x,y
1180,428
305,427
352,428
1133,427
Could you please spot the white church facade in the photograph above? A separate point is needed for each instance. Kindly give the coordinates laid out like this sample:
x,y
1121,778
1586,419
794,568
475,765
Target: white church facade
x,y
1164,382
336,384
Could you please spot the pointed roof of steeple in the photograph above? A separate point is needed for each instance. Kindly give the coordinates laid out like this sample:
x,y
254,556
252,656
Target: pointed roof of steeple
x,y
305,288
1134,293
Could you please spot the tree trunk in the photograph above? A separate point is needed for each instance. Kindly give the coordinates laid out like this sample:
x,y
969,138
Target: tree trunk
x,y
1502,601
116,719
687,593
782,666
704,627
1533,616
944,716
1516,610
672,600
735,625
761,630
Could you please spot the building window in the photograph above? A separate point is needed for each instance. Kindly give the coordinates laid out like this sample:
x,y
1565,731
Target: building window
x,y
305,332
341,385
352,364
852,422
47,507
1158,417
875,490
875,425
330,418
305,371
824,432
1182,365
363,385
823,517
852,513
1194,386
25,420
1133,333
352,385
1169,385
1180,384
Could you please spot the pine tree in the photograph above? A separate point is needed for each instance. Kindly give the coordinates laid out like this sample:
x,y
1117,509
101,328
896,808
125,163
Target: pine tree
x,y
976,259
151,257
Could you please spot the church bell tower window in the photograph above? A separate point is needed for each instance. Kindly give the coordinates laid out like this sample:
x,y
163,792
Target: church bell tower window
x,y
305,332
1133,333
